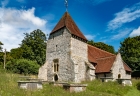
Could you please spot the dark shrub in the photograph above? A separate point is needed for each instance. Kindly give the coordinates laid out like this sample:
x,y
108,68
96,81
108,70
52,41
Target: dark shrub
x,y
23,66
138,85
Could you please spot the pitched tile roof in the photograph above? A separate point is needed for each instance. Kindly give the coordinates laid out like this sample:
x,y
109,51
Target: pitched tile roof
x,y
95,53
104,64
103,59
126,67
67,21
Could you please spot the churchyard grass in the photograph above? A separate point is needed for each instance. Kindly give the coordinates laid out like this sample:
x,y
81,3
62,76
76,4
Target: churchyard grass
x,y
9,87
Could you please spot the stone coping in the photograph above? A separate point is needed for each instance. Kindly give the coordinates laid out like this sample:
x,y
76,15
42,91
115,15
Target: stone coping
x,y
106,77
29,81
60,82
92,75
34,79
76,85
67,84
51,82
123,79
24,76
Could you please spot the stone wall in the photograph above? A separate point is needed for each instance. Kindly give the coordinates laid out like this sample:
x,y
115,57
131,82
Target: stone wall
x,y
58,47
72,56
71,52
90,74
43,72
100,75
79,57
118,68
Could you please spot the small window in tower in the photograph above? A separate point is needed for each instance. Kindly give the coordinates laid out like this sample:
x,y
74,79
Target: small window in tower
x,y
62,33
53,37
56,65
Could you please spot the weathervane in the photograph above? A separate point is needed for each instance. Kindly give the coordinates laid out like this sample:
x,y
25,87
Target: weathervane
x,y
66,4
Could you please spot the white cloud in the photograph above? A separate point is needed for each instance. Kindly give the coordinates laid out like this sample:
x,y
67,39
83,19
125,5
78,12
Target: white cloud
x,y
29,16
121,34
16,22
90,37
125,16
135,32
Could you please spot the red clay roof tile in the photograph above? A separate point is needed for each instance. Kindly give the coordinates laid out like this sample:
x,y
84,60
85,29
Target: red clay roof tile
x,y
95,53
103,59
67,21
126,67
104,64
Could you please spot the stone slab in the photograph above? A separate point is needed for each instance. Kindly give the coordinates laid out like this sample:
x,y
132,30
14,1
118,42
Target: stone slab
x,y
30,85
75,87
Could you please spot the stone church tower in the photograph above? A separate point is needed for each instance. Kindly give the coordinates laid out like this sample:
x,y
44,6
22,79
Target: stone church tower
x,y
67,54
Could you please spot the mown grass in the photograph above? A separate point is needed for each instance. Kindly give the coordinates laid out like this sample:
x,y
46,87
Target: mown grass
x,y
9,87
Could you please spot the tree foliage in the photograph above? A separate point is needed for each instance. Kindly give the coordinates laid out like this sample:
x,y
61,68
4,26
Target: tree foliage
x,y
1,46
29,56
102,46
1,59
130,51
8,58
16,53
22,66
34,46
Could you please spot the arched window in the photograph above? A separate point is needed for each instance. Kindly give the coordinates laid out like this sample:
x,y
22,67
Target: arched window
x,y
56,65
119,76
55,77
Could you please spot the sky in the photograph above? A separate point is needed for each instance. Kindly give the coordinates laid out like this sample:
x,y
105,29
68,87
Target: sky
x,y
108,21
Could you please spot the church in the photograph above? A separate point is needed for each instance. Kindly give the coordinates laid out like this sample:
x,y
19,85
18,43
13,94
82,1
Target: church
x,y
70,59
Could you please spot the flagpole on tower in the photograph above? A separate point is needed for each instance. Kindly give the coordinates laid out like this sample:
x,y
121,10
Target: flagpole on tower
x,y
66,5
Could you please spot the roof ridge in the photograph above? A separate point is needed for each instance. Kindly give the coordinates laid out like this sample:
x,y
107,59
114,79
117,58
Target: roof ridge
x,y
126,65
67,21
65,16
101,49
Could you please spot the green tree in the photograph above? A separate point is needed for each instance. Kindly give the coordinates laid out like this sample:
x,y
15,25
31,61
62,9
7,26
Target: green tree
x,y
22,66
1,59
16,53
34,46
1,46
130,51
8,58
102,46
91,42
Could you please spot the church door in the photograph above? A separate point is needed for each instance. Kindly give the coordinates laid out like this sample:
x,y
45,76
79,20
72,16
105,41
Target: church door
x,y
55,77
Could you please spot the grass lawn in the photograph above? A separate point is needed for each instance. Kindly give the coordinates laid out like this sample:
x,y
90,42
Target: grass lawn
x,y
9,87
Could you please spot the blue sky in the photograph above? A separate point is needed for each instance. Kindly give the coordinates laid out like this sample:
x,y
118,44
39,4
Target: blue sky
x,y
108,21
